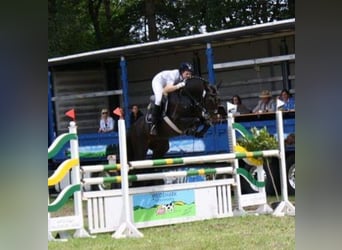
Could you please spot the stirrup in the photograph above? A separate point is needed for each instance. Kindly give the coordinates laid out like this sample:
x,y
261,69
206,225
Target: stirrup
x,y
153,130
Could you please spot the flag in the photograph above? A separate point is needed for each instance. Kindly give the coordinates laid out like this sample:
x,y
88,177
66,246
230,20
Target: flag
x,y
71,113
279,103
231,107
118,112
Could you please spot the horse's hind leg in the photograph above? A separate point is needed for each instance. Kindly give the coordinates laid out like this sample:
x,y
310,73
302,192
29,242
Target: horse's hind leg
x,y
159,148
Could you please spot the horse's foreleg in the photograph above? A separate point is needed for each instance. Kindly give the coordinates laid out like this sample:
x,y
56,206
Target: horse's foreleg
x,y
159,148
201,133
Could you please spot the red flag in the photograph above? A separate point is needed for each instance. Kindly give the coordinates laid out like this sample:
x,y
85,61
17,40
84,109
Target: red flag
x,y
118,112
71,113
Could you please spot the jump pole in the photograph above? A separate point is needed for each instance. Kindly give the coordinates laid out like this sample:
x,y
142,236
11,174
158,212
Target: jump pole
x,y
100,168
155,176
285,207
126,229
216,158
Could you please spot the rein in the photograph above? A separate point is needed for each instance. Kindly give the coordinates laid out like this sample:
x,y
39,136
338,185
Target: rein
x,y
205,113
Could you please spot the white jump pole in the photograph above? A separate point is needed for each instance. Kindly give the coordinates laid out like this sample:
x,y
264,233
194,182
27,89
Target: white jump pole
x,y
285,207
126,229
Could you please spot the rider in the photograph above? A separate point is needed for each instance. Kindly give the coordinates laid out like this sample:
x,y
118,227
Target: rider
x,y
165,82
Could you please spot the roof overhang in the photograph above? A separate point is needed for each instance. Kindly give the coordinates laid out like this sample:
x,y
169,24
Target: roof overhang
x,y
229,35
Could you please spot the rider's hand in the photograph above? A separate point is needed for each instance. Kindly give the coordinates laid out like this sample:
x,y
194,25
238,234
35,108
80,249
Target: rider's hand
x,y
180,85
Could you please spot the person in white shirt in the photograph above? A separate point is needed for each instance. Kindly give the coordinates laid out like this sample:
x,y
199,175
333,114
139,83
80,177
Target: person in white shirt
x,y
106,122
165,82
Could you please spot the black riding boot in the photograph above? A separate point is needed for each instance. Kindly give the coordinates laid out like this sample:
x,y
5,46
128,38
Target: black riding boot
x,y
155,118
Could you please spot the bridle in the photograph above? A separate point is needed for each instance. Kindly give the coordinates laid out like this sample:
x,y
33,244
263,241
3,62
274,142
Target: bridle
x,y
200,105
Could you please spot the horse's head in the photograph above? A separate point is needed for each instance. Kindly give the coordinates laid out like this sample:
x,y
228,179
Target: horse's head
x,y
204,94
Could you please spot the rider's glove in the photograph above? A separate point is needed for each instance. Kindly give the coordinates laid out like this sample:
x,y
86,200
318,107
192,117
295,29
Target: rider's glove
x,y
180,85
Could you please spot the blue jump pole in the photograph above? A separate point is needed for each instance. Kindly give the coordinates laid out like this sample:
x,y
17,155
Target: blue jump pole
x,y
51,131
124,80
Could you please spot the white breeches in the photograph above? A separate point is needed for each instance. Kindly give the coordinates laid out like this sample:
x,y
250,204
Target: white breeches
x,y
157,87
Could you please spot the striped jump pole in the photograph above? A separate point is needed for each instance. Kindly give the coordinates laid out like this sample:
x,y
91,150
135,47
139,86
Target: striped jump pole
x,y
227,157
100,168
154,176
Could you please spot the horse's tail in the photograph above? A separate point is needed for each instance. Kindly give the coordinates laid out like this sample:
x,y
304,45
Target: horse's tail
x,y
130,153
136,140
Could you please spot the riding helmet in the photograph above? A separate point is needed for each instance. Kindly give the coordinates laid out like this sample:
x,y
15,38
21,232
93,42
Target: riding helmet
x,y
186,66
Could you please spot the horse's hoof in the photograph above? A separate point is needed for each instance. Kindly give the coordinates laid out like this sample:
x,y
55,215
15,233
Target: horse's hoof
x,y
199,135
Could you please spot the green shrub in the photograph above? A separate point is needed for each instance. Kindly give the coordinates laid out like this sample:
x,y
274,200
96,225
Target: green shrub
x,y
260,140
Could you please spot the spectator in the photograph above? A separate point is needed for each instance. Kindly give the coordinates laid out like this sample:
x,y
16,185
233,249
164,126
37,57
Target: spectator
x,y
266,103
290,139
289,101
106,122
240,108
135,114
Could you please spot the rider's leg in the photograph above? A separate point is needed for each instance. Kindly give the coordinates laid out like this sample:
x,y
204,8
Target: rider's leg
x,y
155,119
158,93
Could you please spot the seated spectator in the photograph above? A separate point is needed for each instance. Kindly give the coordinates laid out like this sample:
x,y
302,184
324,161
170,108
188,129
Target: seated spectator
x,y
266,103
106,122
290,139
289,101
135,114
240,108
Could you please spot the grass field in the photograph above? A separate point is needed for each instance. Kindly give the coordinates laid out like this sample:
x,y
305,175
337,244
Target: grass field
x,y
244,232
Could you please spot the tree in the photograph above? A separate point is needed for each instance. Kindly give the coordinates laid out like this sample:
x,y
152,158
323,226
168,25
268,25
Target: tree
x,y
83,25
69,31
150,12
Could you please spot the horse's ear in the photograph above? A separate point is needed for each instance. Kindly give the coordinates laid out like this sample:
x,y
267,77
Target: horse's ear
x,y
212,88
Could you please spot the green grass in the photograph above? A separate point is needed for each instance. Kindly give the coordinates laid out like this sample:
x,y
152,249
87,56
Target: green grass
x,y
247,232
244,232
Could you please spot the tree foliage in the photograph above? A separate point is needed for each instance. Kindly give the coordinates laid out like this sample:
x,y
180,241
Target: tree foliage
x,y
83,25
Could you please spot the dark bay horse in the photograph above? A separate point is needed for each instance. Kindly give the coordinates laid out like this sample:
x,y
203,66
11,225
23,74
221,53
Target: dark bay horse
x,y
188,111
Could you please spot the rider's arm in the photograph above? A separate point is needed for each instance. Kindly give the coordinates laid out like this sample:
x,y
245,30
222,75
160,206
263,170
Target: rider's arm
x,y
170,87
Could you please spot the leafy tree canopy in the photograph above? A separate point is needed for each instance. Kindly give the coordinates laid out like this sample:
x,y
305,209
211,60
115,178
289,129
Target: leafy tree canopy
x,y
83,25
